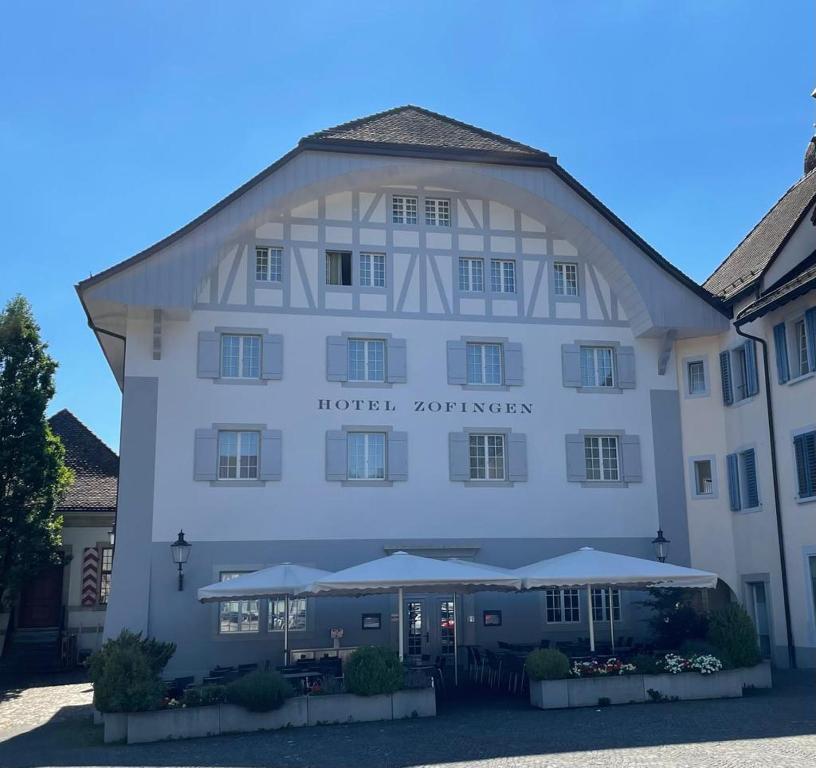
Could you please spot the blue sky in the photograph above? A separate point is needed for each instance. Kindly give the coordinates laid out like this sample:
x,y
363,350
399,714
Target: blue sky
x,y
121,121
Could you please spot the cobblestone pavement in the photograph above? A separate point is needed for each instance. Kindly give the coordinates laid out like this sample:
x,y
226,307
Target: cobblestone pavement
x,y
50,725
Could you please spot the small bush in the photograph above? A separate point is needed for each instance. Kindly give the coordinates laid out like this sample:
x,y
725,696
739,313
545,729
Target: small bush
x,y
204,696
732,631
372,670
125,673
259,691
547,664
645,664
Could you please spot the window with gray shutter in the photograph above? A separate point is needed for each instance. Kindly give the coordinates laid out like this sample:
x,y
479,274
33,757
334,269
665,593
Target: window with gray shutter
x,y
459,463
336,358
576,459
457,362
725,377
513,364
571,365
336,455
625,359
396,361
397,456
272,356
205,454
517,457
209,350
271,455
630,457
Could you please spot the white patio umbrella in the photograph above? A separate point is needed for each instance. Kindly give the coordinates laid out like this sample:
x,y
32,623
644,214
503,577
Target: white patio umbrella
x,y
588,567
400,571
286,579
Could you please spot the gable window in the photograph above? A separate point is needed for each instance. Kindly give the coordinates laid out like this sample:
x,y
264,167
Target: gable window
x,y
805,450
105,570
800,339
277,614
740,376
338,268
240,356
740,370
366,456
563,606
601,456
403,209
471,274
366,360
600,604
437,212
372,270
268,264
565,279
597,367
743,491
503,275
237,615
695,370
237,455
484,363
486,457
703,478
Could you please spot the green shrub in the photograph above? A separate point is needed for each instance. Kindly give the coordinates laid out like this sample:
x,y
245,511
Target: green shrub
x,y
372,670
259,691
732,631
645,664
675,618
125,673
204,696
547,664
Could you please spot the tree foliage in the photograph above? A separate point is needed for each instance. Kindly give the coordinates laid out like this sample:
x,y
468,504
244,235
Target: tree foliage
x,y
33,476
675,619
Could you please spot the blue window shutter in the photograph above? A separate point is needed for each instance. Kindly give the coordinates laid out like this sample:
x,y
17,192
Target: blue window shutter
x,y
751,492
752,385
571,365
336,455
517,457
209,355
805,447
630,459
781,345
272,356
576,458
810,332
205,455
271,455
732,462
396,361
397,456
513,365
725,376
459,460
336,358
457,362
626,367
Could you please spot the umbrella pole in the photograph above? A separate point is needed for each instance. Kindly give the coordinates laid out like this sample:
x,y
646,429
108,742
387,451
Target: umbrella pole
x,y
455,644
611,620
591,624
286,629
401,620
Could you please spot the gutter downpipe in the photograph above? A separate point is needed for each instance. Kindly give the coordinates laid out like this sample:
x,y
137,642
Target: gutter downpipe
x,y
780,535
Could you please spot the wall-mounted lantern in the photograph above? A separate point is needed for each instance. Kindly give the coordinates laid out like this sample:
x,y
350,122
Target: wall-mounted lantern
x,y
661,545
180,550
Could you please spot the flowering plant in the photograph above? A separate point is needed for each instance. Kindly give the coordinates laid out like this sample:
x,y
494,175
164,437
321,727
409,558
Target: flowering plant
x,y
595,668
705,664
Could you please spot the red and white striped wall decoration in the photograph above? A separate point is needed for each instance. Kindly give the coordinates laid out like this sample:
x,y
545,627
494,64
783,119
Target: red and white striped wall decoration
x,y
90,576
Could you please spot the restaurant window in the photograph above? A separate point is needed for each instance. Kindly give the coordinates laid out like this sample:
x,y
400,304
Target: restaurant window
x,y
297,614
600,604
236,616
563,606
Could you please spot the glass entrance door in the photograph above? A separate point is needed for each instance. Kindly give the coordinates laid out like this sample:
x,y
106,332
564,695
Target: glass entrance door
x,y
429,627
416,630
759,611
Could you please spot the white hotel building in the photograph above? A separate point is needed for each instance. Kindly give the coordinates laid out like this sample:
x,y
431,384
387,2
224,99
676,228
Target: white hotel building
x,y
412,334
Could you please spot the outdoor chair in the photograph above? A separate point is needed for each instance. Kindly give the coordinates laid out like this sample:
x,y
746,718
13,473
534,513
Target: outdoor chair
x,y
476,663
514,667
494,666
439,671
245,669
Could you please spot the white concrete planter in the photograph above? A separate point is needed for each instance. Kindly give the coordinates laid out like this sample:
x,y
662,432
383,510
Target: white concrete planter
x,y
756,677
413,702
98,717
692,685
293,714
549,694
348,708
619,689
116,726
162,724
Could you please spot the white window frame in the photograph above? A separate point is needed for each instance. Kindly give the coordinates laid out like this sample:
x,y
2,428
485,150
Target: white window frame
x,y
437,212
298,608
597,443
555,600
561,279
481,442
800,344
468,277
596,351
243,606
367,454
268,264
372,270
698,491
243,340
697,364
739,374
241,453
600,606
342,257
482,347
105,571
368,345
501,280
404,209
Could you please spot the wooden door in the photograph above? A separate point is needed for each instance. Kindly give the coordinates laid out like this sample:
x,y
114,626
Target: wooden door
x,y
41,600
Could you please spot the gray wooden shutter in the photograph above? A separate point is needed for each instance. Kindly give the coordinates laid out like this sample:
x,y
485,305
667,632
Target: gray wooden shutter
x,y
397,456
752,384
810,336
271,455
458,456
732,463
205,455
513,364
396,361
751,489
336,358
630,458
208,365
457,362
336,455
272,356
571,365
625,359
781,345
517,457
576,458
725,377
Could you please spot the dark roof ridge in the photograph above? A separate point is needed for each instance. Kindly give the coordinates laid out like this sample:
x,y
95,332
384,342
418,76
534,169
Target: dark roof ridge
x,y
67,414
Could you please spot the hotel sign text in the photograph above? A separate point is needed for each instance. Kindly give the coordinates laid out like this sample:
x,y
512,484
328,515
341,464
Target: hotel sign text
x,y
424,406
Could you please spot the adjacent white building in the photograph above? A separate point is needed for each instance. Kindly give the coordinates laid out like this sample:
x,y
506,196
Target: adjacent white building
x,y
409,333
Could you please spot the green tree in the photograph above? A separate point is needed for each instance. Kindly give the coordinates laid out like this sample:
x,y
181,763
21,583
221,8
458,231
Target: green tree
x,y
33,476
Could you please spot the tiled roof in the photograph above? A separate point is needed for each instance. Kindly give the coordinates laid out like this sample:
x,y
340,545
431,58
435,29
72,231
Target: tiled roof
x,y
803,283
749,259
411,126
95,466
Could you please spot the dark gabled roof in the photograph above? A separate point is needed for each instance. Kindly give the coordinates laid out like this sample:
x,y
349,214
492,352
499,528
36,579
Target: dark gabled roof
x,y
412,126
749,260
791,289
95,466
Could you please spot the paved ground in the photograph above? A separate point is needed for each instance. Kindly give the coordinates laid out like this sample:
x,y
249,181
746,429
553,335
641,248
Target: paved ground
x,y
51,725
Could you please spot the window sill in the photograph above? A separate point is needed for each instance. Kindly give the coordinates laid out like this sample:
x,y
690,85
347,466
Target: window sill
x,y
503,294
374,289
237,483
599,390
799,379
697,395
748,511
488,483
805,499
604,484
744,401
366,483
704,496
486,387
367,384
239,381
277,284
566,299
339,288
